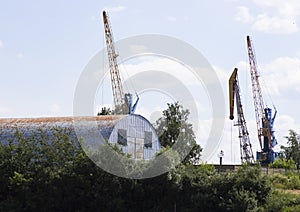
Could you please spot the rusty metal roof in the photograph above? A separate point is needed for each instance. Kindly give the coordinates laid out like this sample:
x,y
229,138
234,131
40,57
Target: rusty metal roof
x,y
9,126
13,121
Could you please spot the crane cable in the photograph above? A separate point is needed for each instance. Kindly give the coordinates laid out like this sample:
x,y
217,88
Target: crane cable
x,y
127,75
264,84
103,68
267,91
123,67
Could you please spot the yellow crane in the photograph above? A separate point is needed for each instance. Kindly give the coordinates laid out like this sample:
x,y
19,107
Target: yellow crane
x,y
234,94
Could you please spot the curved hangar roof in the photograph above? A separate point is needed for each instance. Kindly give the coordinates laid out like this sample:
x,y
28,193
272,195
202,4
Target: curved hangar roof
x,y
133,133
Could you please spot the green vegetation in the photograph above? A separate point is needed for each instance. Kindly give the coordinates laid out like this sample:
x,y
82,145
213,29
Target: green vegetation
x,y
285,194
38,175
105,111
292,151
280,200
283,163
289,180
173,127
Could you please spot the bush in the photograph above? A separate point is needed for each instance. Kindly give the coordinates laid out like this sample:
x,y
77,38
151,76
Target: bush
x,y
282,201
293,182
286,181
279,181
284,164
244,190
36,175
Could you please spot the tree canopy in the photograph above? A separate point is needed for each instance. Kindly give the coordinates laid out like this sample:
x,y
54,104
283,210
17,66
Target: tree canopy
x,y
174,127
42,171
105,111
292,151
37,175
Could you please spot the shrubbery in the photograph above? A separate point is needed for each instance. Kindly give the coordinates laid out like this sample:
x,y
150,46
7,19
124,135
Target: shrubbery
x,y
36,174
284,164
289,180
282,201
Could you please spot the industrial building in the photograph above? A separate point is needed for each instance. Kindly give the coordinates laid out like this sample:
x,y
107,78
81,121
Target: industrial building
x,y
132,133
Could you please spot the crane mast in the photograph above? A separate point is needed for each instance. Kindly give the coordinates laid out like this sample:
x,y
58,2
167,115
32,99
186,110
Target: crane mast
x,y
118,94
256,91
264,120
234,93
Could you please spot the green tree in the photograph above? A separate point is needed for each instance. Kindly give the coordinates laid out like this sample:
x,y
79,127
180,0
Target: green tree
x,y
46,170
105,111
201,188
173,127
292,151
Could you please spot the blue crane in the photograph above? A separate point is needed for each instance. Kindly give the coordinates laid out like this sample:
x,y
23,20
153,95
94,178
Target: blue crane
x,y
264,119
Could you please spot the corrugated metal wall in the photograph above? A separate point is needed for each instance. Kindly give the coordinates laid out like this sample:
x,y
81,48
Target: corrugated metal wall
x,y
136,126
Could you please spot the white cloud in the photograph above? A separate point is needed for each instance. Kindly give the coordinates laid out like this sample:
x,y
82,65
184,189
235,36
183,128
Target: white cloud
x,y
277,76
243,15
1,44
5,111
283,124
223,76
138,49
276,16
171,18
93,18
20,56
156,63
115,9
283,74
274,24
55,108
284,8
166,75
151,114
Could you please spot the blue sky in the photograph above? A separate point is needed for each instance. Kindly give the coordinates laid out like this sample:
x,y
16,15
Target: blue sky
x,y
44,46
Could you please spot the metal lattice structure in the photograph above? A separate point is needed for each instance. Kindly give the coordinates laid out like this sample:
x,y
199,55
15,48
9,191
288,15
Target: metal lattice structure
x,y
118,94
264,121
245,144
